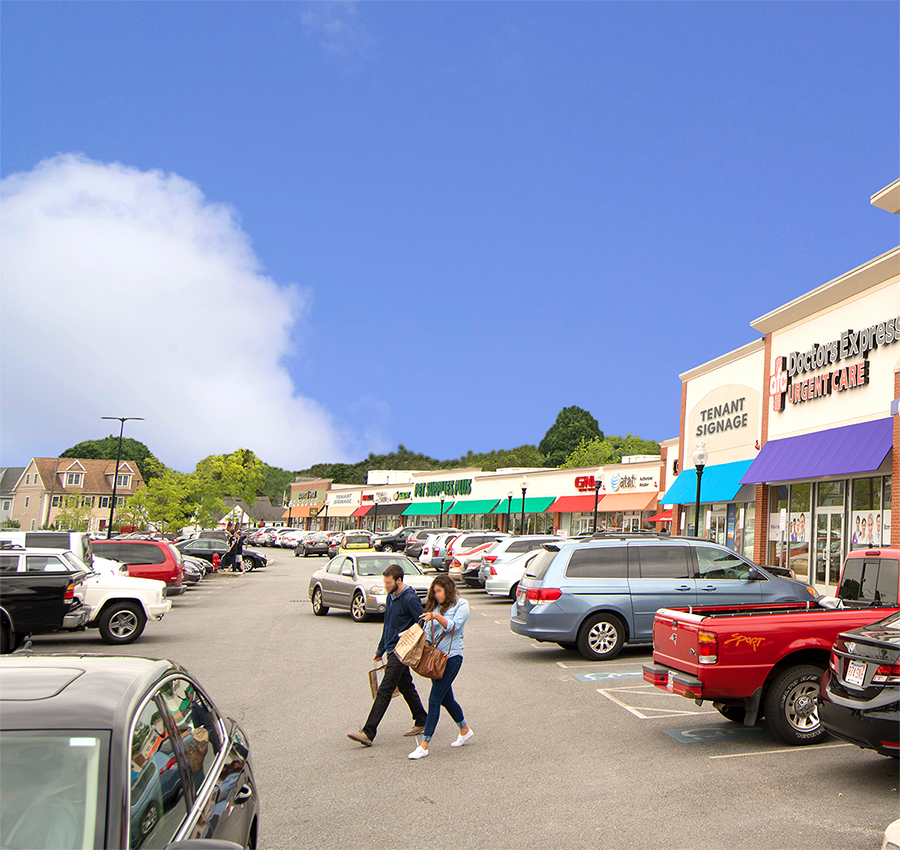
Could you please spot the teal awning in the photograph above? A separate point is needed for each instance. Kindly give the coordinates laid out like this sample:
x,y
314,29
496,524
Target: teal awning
x,y
472,506
533,505
719,483
427,508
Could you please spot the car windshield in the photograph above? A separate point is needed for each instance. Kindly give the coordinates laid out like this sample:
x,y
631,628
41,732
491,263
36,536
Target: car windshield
x,y
52,789
76,562
376,566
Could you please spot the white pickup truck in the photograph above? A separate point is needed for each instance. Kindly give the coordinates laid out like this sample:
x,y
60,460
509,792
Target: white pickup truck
x,y
121,605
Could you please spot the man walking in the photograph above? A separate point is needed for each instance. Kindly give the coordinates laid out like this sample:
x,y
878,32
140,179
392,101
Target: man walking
x,y
403,609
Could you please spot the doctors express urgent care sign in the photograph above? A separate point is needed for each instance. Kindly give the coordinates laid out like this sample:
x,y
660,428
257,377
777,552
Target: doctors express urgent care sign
x,y
836,366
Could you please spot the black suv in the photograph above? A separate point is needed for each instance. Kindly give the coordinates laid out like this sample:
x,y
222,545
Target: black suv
x,y
396,540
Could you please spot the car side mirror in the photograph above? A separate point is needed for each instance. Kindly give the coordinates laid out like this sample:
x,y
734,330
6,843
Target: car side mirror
x,y
347,571
754,574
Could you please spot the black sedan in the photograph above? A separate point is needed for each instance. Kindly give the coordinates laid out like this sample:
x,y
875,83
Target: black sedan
x,y
313,544
207,548
105,751
859,695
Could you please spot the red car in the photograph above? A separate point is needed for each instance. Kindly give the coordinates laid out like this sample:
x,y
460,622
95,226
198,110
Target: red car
x,y
147,559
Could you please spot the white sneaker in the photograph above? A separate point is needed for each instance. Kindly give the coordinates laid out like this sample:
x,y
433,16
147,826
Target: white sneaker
x,y
418,753
462,740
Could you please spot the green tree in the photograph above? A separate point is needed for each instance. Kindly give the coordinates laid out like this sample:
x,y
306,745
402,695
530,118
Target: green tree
x,y
106,449
612,449
74,514
238,475
572,425
167,501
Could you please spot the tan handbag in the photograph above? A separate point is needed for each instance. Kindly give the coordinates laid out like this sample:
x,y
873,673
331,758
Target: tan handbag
x,y
434,662
410,645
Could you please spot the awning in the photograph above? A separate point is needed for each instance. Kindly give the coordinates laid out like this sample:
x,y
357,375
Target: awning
x,y
665,516
426,508
286,514
341,510
533,505
306,510
471,506
573,504
362,510
720,482
628,501
835,451
392,508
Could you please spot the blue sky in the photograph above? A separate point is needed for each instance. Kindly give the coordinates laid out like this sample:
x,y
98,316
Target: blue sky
x,y
488,211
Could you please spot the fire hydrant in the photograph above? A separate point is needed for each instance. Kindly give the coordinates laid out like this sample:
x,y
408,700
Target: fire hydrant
x,y
215,562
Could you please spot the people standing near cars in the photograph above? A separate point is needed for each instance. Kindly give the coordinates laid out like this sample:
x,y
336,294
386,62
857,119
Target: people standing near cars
x,y
235,554
445,620
402,610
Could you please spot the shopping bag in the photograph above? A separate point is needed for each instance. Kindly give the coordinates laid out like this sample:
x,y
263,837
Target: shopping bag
x,y
410,645
375,681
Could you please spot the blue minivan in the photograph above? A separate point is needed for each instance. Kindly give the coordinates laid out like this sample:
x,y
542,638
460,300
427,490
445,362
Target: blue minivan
x,y
597,595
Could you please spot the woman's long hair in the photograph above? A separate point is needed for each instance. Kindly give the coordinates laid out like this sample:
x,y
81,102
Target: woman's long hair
x,y
450,594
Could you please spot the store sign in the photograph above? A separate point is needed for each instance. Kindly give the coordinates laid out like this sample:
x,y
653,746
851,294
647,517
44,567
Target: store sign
x,y
314,510
791,383
343,499
400,497
462,487
723,417
586,484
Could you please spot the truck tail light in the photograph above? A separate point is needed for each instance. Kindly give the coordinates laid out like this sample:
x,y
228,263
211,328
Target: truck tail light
x,y
490,558
70,593
708,649
887,674
493,571
542,595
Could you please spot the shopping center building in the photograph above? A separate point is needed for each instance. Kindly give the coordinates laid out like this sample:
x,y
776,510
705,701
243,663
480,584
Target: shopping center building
x,y
800,428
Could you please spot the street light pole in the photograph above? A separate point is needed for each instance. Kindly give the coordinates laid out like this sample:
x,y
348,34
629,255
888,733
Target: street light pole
x,y
112,504
524,486
509,495
597,485
700,457
441,517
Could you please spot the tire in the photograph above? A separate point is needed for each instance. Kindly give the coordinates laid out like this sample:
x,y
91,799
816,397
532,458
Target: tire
x,y
319,609
569,646
791,706
149,819
5,640
601,637
513,591
387,548
358,608
122,623
734,713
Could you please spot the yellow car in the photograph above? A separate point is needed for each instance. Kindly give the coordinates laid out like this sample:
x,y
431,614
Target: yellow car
x,y
357,541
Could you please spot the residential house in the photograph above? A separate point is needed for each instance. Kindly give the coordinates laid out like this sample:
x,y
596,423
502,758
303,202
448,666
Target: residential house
x,y
8,477
41,490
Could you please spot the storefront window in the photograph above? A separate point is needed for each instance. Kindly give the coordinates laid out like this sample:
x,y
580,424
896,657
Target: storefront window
x,y
800,527
748,529
866,521
779,537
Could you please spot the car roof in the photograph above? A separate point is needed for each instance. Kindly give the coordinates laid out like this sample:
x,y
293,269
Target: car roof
x,y
65,691
26,550
875,552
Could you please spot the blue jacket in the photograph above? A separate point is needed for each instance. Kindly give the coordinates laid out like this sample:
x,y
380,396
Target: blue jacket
x,y
400,614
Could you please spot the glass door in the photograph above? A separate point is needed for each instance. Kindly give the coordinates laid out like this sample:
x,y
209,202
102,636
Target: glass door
x,y
829,545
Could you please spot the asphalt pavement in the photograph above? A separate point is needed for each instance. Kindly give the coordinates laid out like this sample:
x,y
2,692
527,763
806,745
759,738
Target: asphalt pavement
x,y
566,753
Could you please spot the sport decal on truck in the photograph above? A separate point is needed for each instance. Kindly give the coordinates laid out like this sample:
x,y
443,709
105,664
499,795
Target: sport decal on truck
x,y
737,641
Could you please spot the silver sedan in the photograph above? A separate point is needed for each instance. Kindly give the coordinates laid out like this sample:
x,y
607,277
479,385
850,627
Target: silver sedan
x,y
354,582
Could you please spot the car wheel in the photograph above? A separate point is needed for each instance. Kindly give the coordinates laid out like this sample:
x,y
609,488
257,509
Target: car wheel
x,y
734,713
319,609
387,548
149,819
5,641
513,591
122,623
791,705
601,637
358,608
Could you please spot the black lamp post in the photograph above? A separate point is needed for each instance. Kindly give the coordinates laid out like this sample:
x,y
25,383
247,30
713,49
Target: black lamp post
x,y
441,517
700,457
509,495
598,483
112,504
524,486
374,515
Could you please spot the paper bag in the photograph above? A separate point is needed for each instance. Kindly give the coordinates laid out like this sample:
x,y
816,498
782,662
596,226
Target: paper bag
x,y
410,645
375,681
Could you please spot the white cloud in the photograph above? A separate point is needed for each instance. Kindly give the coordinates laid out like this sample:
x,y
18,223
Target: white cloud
x,y
338,28
127,293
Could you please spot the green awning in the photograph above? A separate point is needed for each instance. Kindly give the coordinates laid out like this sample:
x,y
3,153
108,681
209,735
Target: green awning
x,y
533,505
427,508
472,506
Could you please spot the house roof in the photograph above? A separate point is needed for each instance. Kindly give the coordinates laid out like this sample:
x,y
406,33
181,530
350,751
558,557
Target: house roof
x,y
261,509
8,477
97,474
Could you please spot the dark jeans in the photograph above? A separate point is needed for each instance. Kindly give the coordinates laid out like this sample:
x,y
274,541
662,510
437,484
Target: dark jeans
x,y
442,695
396,675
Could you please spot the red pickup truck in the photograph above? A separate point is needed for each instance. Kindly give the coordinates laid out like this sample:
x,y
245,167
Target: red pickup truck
x,y
767,660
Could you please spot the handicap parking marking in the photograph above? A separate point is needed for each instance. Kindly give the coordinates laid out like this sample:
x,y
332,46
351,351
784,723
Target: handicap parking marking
x,y
729,732
609,674
627,696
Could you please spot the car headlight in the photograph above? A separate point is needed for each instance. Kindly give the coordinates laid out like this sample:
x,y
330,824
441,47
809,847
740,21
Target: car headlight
x,y
375,590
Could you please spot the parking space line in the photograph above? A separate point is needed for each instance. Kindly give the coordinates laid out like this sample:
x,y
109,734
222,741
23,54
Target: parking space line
x,y
785,750
638,710
594,665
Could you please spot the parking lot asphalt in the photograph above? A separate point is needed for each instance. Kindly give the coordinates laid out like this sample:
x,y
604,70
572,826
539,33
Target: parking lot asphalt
x,y
566,754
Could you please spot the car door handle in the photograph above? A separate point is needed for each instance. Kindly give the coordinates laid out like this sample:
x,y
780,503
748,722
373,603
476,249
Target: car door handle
x,y
683,588
244,794
709,587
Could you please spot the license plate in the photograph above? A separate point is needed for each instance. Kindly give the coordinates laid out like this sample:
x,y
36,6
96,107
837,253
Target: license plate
x,y
670,682
856,673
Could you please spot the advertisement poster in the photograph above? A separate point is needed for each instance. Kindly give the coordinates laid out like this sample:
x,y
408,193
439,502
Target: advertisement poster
x,y
869,528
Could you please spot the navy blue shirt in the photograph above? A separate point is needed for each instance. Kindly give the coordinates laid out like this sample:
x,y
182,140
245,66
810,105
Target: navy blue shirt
x,y
401,612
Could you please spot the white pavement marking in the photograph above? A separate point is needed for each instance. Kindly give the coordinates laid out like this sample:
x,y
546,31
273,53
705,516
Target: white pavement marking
x,y
786,750
638,710
594,665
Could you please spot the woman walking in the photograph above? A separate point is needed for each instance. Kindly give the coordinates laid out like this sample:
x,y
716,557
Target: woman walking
x,y
447,614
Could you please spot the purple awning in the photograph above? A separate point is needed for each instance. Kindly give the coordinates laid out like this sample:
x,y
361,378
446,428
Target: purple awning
x,y
837,451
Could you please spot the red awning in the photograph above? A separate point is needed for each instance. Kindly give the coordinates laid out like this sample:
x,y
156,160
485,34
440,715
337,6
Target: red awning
x,y
362,510
628,501
665,516
573,504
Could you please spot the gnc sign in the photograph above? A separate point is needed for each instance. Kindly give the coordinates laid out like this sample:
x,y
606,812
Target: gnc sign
x,y
586,484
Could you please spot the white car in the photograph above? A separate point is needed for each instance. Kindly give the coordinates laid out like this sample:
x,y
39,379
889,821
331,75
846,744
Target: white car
x,y
121,605
504,576
290,539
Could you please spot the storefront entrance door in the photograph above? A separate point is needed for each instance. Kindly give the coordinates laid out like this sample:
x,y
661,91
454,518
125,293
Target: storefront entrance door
x,y
829,545
717,523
